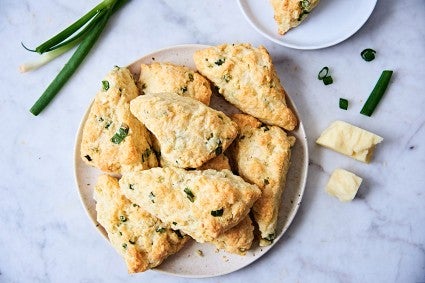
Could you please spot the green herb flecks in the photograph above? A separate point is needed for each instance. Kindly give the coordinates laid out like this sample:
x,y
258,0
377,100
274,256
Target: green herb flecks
x,y
343,103
305,9
270,237
88,158
131,187
190,75
123,218
368,54
220,61
160,230
324,76
219,149
217,213
120,135
189,194
178,233
124,246
132,242
105,85
152,197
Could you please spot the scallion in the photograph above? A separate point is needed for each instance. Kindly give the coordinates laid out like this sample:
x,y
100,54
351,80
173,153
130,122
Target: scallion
x,y
368,54
217,213
324,76
377,93
328,80
90,26
343,103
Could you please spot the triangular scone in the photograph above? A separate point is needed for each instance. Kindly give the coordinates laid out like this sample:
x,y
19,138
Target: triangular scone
x,y
166,77
290,13
262,154
113,140
143,240
237,240
246,77
188,132
202,204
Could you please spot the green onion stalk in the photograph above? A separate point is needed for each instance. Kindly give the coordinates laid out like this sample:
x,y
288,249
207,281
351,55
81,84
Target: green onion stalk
x,y
84,33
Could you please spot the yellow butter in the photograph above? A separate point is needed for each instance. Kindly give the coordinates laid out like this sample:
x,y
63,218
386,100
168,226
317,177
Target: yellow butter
x,y
349,140
343,184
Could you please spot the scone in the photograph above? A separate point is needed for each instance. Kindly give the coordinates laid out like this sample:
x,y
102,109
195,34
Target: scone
x,y
113,140
220,162
262,154
143,240
237,240
166,77
188,132
246,77
202,204
290,13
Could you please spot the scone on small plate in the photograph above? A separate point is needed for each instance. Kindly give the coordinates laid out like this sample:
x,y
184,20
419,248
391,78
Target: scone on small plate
x,y
142,239
113,140
289,14
202,204
261,154
246,78
188,133
160,77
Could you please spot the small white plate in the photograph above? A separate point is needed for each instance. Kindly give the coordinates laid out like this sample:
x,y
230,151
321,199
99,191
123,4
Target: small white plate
x,y
331,22
187,262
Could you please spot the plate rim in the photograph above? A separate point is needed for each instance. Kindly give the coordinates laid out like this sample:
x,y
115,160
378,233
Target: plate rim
x,y
303,179
242,3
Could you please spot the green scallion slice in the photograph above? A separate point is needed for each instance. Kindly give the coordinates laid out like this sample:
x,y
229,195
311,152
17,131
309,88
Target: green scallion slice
x,y
217,213
328,80
377,93
343,103
368,54
189,194
323,73
120,135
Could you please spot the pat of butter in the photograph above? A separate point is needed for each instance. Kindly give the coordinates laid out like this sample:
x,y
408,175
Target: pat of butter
x,y
343,185
349,140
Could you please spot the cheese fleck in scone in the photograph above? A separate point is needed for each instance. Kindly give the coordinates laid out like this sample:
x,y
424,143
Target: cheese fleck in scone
x,y
166,77
290,13
350,140
262,154
343,184
202,204
113,140
188,132
143,240
246,77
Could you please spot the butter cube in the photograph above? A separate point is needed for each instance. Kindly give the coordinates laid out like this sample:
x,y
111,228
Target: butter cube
x,y
349,140
343,184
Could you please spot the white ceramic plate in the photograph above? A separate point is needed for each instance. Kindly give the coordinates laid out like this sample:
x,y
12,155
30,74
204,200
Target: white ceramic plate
x,y
331,22
188,263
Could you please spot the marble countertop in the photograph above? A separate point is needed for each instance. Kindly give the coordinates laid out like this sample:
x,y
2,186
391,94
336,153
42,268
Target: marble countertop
x,y
45,234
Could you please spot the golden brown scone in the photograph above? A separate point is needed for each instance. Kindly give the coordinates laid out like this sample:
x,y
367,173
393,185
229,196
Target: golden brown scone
x,y
238,239
166,77
143,240
188,132
290,13
202,204
113,139
220,162
262,154
247,78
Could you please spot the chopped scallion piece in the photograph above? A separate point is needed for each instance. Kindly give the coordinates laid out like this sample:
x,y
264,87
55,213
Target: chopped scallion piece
x,y
328,80
105,85
323,73
189,194
123,218
343,103
217,213
377,93
120,135
368,54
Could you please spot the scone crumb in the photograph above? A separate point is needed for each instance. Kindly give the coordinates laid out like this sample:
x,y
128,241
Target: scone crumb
x,y
200,253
